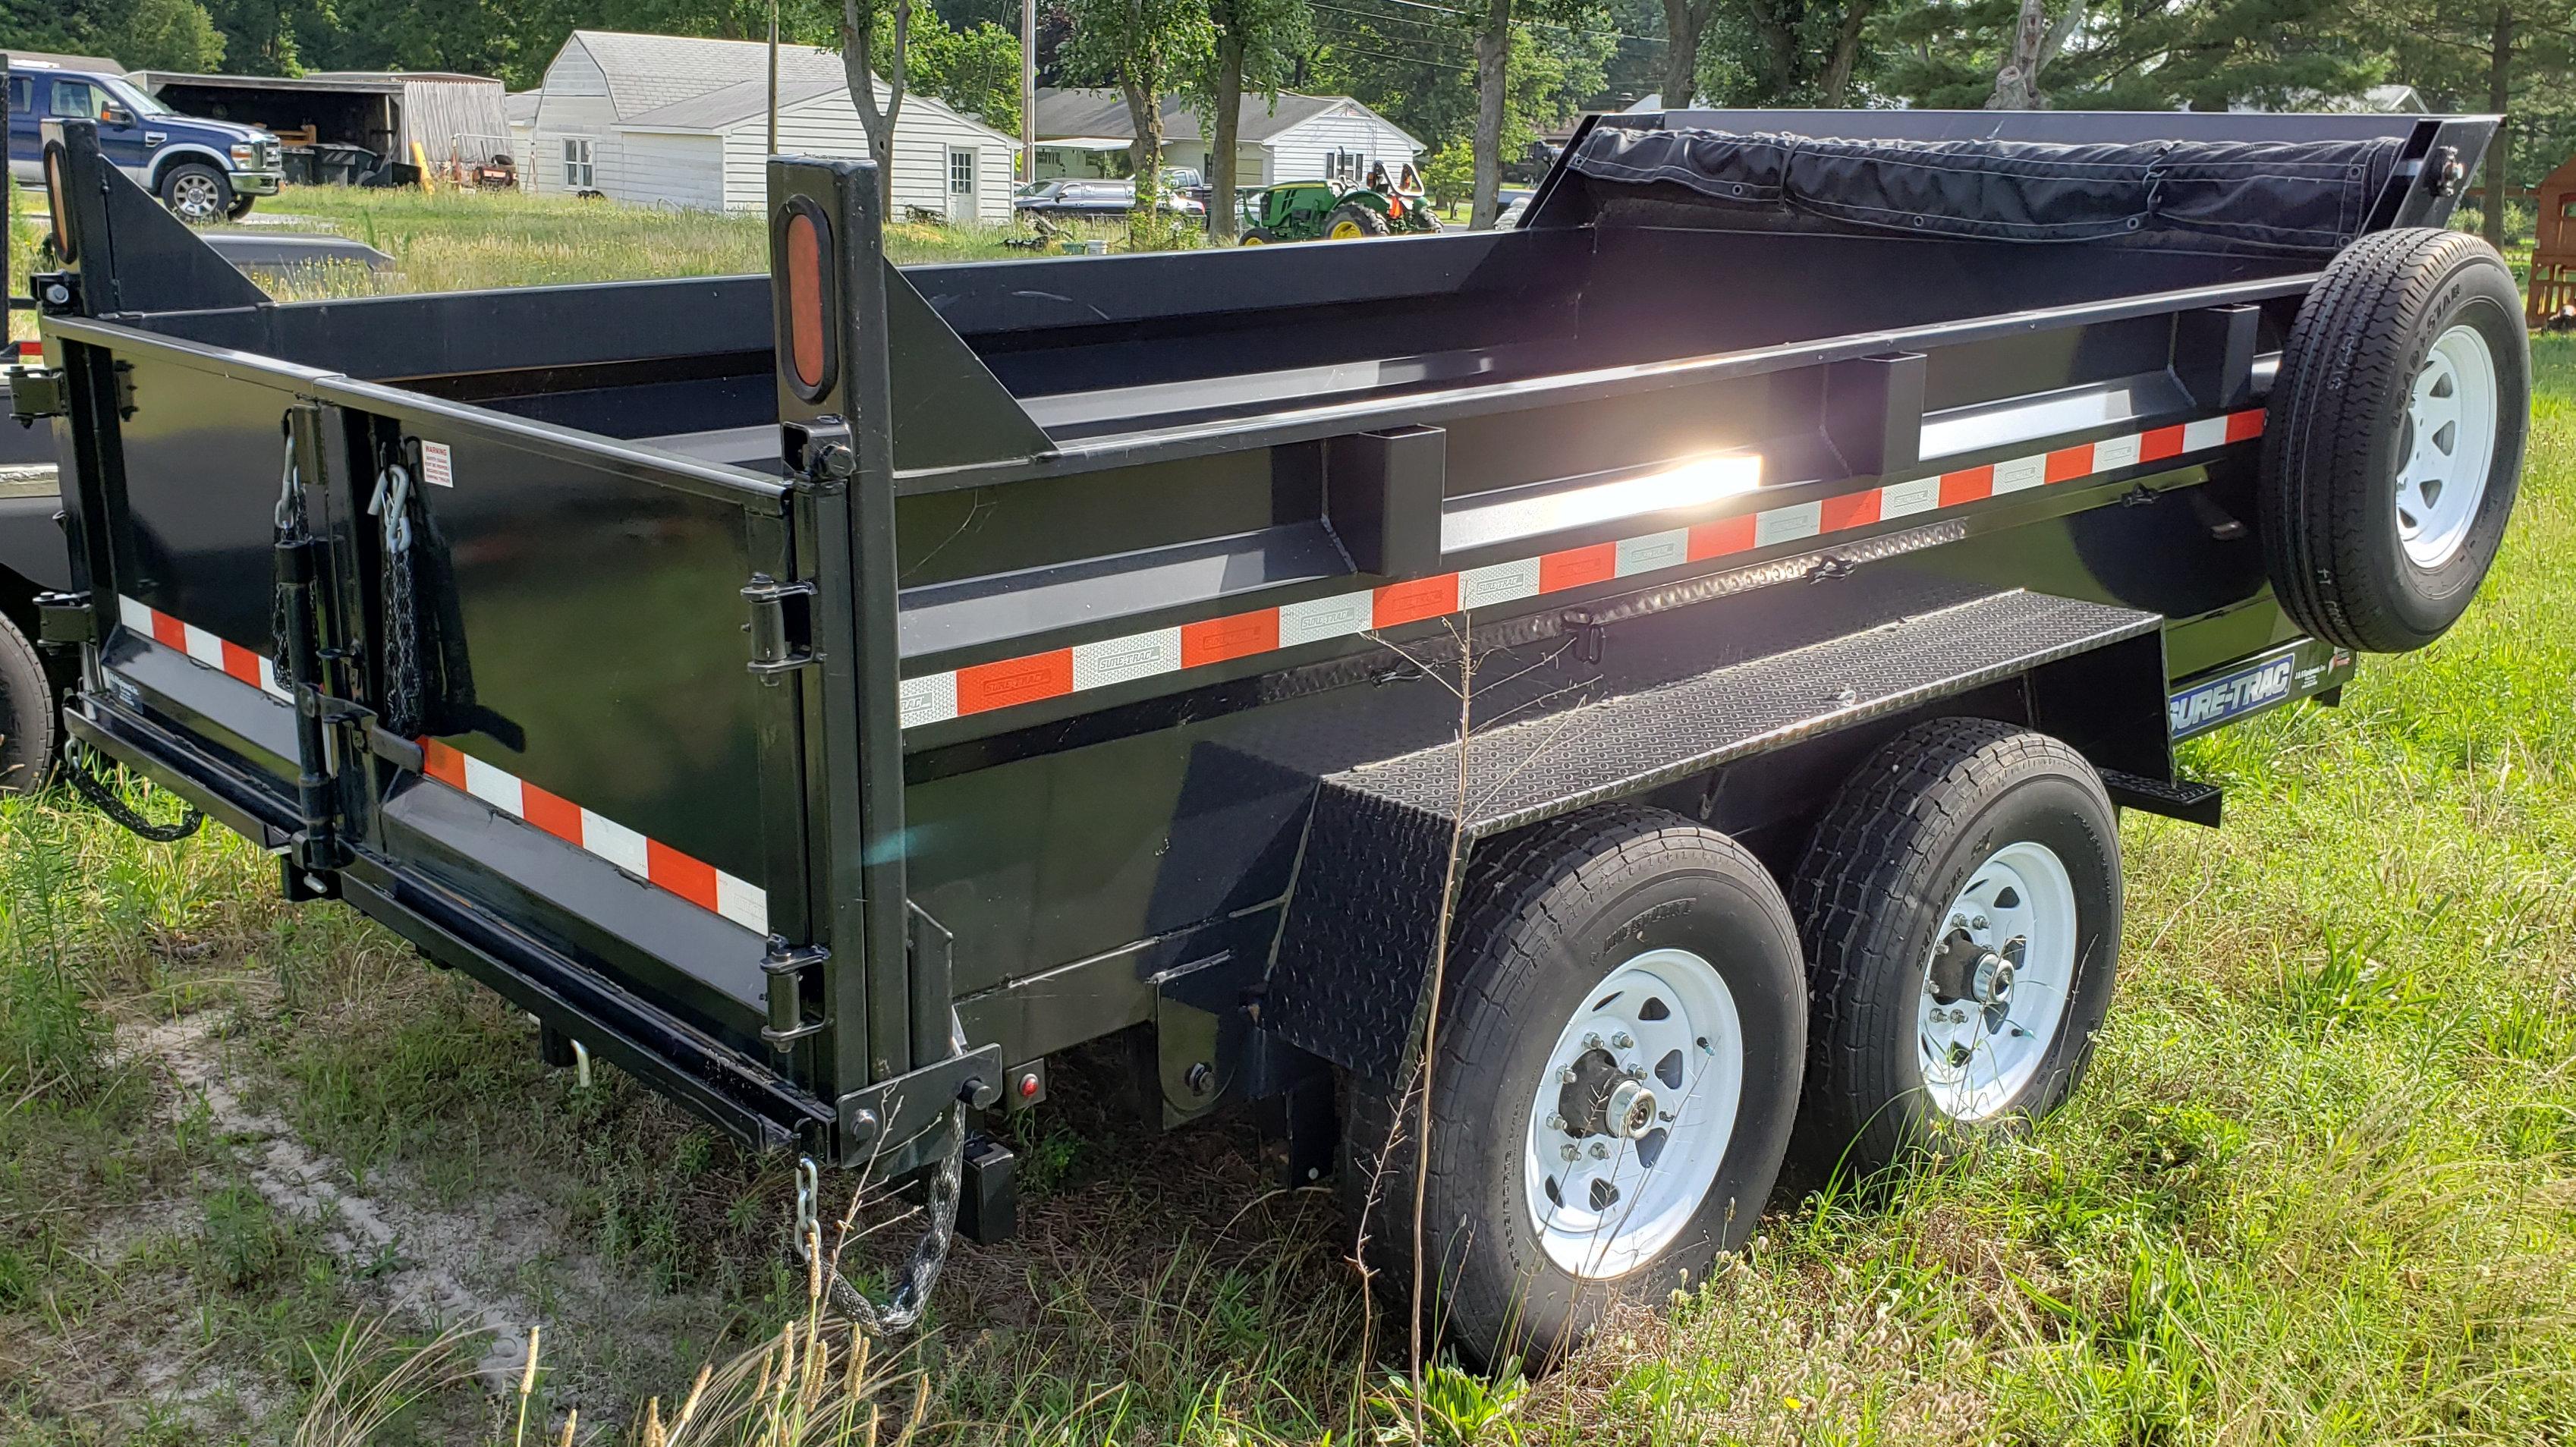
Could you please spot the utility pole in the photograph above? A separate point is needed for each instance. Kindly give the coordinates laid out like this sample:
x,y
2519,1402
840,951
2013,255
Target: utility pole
x,y
1028,90
773,77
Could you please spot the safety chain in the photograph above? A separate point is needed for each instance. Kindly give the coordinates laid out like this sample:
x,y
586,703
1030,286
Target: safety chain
x,y
78,762
391,504
289,533
902,1308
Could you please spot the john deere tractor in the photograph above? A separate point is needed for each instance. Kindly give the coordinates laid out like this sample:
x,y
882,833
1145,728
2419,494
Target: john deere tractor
x,y
1323,210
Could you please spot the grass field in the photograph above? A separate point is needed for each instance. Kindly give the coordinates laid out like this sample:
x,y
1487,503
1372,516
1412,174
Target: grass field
x,y
2320,1186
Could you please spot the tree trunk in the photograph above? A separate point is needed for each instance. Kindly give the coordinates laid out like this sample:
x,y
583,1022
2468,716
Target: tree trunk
x,y
1222,132
858,65
2499,92
2017,79
1145,153
2035,43
1780,53
1493,58
1834,90
1684,24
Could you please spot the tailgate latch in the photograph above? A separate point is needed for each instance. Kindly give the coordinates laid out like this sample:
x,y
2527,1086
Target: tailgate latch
x,y
64,620
782,628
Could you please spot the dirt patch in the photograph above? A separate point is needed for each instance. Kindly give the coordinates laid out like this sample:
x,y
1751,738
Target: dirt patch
x,y
435,1265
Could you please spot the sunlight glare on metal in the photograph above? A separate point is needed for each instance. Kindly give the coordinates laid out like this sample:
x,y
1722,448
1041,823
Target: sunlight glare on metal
x,y
1693,483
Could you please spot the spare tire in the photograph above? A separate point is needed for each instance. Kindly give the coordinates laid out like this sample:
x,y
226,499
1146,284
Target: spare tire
x,y
2393,440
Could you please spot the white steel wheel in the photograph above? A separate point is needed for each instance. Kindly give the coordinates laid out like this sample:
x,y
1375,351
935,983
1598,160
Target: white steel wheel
x,y
1961,902
1996,983
2449,445
1633,1114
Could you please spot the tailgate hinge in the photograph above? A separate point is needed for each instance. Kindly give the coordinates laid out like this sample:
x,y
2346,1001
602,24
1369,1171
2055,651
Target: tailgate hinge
x,y
785,966
782,628
36,392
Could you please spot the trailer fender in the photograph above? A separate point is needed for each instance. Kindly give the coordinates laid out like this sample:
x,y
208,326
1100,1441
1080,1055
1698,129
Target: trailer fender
x,y
1386,841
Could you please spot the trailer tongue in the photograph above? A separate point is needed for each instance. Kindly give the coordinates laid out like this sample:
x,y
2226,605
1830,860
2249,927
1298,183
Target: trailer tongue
x,y
829,695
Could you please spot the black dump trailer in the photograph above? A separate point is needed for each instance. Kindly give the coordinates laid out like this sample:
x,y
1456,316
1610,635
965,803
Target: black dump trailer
x,y
829,695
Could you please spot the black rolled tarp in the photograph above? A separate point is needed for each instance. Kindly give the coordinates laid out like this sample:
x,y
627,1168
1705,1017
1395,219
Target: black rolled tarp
x,y
2291,196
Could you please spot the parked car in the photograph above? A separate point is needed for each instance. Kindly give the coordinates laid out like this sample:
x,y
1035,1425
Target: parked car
x,y
1098,200
202,170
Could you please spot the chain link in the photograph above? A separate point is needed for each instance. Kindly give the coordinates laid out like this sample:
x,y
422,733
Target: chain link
x,y
80,759
290,531
902,1308
391,505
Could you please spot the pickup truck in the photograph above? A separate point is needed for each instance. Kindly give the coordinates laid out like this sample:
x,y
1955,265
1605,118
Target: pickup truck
x,y
1610,701
202,170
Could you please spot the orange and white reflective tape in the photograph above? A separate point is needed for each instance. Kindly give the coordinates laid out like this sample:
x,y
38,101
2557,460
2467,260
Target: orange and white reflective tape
x,y
650,860
984,687
249,666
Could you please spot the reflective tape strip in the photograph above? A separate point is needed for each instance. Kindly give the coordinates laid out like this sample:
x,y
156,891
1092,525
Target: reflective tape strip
x,y
649,860
202,647
937,697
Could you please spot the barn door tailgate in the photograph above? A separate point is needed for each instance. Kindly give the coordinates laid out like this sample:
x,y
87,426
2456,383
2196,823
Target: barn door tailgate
x,y
532,698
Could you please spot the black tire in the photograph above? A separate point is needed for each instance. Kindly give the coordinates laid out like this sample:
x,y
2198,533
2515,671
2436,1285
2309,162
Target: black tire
x,y
1370,222
1259,236
196,193
1549,915
240,207
2336,434
30,737
1903,838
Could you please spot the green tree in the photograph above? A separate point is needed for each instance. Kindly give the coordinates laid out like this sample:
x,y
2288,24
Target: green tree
x,y
1788,52
1253,44
169,35
260,35
1147,49
1449,175
975,70
2505,57
2144,55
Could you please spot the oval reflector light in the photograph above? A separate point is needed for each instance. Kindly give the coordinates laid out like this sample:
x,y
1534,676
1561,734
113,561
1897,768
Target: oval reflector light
x,y
805,300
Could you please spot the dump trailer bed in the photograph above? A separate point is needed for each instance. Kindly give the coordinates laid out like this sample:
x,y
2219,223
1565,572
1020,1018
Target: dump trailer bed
x,y
829,695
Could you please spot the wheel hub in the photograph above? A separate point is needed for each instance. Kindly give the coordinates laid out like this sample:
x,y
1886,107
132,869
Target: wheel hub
x,y
1995,988
1631,1111
1634,1113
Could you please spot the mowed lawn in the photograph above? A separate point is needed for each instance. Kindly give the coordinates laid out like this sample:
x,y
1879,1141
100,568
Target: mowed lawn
x,y
2319,1187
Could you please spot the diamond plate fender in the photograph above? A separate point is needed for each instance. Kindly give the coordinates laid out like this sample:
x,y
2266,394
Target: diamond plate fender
x,y
1346,982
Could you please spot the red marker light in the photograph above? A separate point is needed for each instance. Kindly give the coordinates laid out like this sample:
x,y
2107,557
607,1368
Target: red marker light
x,y
805,300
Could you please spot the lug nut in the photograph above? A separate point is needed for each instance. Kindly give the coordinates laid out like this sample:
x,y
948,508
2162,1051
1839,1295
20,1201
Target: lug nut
x,y
1600,1150
1570,1153
1636,1072
1591,1042
1565,1076
1978,923
1555,1121
1622,1040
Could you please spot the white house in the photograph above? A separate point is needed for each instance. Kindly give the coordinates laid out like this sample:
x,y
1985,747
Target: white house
x,y
1084,132
684,122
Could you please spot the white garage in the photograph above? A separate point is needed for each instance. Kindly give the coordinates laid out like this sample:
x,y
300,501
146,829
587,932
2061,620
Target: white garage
x,y
679,121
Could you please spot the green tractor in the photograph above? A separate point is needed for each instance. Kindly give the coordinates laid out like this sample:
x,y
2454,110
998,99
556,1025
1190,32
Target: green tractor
x,y
1323,210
